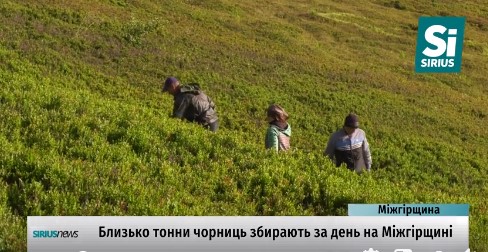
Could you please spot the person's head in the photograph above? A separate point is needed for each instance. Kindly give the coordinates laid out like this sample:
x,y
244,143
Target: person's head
x,y
351,123
171,85
276,114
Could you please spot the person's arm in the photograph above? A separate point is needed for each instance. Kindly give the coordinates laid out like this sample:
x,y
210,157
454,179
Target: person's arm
x,y
210,102
180,107
272,139
367,154
329,150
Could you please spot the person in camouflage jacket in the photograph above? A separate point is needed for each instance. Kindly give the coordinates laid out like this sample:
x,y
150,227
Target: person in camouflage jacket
x,y
192,104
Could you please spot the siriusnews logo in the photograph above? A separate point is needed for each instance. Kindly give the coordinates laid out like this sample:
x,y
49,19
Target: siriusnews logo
x,y
54,234
439,44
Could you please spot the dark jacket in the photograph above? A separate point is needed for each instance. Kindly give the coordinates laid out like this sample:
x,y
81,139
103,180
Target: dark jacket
x,y
351,150
194,105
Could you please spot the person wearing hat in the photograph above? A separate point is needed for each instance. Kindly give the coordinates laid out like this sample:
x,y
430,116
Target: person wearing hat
x,y
349,146
279,131
192,104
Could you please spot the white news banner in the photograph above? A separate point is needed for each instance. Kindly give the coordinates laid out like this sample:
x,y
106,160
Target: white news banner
x,y
303,234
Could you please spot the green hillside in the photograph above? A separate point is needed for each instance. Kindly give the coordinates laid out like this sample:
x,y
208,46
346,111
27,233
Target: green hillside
x,y
85,130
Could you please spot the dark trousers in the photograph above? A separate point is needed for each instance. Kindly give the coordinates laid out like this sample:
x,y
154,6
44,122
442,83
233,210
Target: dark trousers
x,y
348,157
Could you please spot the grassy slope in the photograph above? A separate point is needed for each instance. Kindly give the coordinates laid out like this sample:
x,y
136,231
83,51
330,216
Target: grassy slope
x,y
84,129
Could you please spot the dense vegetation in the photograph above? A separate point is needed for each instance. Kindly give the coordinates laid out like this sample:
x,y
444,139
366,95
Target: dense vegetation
x,y
85,130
